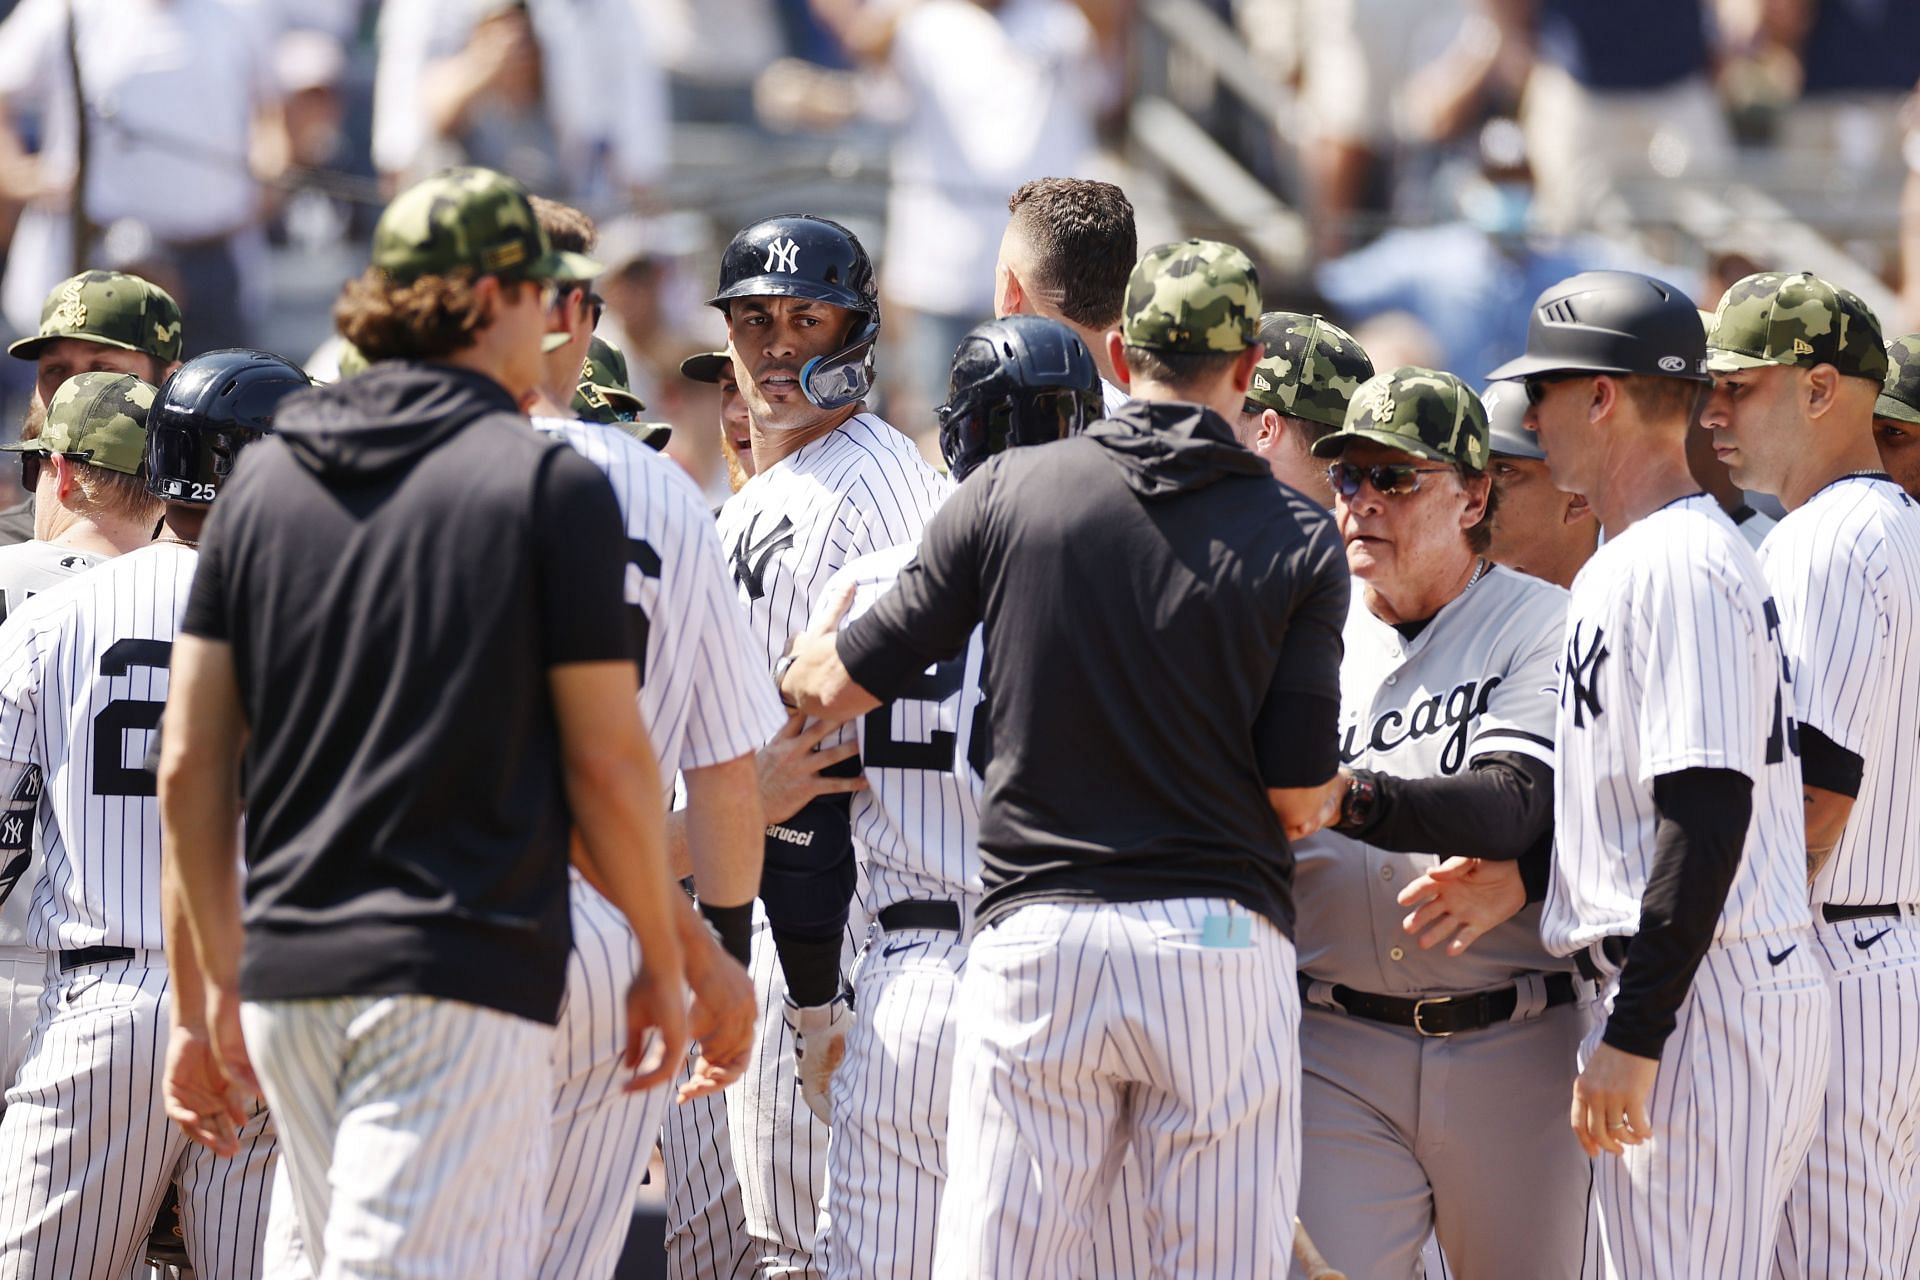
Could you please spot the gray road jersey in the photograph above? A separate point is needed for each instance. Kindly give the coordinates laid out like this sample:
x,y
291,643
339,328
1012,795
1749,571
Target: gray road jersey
x,y
1480,678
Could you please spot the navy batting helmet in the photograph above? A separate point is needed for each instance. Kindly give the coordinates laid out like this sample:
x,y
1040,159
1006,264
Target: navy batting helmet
x,y
1021,380
212,407
797,255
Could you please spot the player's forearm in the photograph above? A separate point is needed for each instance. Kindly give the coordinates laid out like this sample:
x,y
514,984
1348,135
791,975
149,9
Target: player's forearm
x,y
1498,809
725,831
1827,814
199,883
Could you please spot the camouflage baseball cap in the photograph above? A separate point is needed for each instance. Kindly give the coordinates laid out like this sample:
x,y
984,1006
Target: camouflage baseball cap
x,y
1193,297
604,393
1422,411
1900,394
111,308
1312,368
1782,318
99,418
475,219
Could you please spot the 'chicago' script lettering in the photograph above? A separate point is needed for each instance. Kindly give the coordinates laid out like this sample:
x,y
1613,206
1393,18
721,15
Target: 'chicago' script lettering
x,y
1451,713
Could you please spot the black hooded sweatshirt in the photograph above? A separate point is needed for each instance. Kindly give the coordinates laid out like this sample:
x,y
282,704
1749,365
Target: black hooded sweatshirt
x,y
395,570
1163,623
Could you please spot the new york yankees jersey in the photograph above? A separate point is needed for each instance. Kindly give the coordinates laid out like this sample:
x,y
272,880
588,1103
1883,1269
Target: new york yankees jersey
x,y
1844,570
861,487
705,696
1479,678
26,569
83,678
1672,662
916,827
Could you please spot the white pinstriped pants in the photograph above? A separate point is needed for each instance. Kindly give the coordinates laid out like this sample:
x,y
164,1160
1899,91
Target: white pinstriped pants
x,y
1085,1027
1855,1209
415,1132
1734,1109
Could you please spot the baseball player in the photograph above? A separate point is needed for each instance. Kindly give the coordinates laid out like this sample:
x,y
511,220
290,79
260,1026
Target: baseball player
x,y
736,425
1537,529
1797,366
1300,393
1896,414
1065,256
85,1137
1018,381
1446,722
604,394
1678,868
82,463
1162,655
708,706
832,482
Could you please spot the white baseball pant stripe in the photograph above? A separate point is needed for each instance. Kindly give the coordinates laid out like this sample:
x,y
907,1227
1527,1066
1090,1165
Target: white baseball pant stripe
x,y
87,1151
1734,1108
706,1224
1855,1210
887,1161
415,1132
23,975
1084,1028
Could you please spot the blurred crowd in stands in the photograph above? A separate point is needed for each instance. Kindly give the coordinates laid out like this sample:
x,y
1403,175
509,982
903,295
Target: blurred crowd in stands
x,y
1451,156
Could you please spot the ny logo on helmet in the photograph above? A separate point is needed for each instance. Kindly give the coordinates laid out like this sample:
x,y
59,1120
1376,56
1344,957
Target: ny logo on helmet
x,y
783,256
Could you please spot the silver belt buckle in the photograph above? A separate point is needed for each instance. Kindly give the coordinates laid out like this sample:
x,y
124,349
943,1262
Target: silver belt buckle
x,y
1421,1004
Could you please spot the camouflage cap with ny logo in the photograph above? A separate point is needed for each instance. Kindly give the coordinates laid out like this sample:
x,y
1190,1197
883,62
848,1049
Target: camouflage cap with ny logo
x,y
1311,370
472,219
1424,412
1797,319
111,308
1193,297
98,418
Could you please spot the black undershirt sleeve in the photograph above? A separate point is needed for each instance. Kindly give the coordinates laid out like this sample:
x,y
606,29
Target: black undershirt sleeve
x,y
1500,808
1702,826
1826,764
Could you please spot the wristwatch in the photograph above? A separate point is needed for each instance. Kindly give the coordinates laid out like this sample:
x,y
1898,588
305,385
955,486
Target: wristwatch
x,y
1358,806
781,665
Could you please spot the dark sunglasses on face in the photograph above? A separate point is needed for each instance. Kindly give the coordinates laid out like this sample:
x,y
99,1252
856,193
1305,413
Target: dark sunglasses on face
x,y
29,471
1389,480
1536,388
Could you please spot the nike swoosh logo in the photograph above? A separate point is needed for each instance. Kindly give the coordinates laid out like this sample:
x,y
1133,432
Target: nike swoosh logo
x,y
1864,943
896,947
1776,959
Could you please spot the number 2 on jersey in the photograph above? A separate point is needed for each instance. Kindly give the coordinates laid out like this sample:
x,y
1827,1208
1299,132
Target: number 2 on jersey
x,y
111,776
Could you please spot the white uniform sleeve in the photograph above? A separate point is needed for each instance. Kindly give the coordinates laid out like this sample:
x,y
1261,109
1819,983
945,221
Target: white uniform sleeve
x,y
1522,708
735,708
19,693
1837,638
1698,708
32,50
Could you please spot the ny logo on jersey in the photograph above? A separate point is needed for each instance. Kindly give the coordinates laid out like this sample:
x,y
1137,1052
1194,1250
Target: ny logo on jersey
x,y
1582,675
783,256
751,554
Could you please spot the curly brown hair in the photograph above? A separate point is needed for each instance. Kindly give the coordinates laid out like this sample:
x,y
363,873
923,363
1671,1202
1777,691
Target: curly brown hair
x,y
424,319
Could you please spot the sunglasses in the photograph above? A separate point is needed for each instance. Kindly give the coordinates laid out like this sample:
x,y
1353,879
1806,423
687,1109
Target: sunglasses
x,y
1536,387
29,471
1389,479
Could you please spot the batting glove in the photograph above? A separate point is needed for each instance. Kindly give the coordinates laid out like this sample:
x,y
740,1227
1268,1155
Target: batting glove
x,y
819,1045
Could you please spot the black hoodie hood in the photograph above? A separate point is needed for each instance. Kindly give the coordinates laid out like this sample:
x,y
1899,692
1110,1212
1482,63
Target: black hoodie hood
x,y
388,416
1170,447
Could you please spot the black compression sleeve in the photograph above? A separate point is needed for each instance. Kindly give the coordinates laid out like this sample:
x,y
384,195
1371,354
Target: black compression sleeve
x,y
1499,809
1826,764
734,927
1703,816
807,883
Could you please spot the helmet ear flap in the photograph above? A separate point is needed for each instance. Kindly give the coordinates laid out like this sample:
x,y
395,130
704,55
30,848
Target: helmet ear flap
x,y
845,377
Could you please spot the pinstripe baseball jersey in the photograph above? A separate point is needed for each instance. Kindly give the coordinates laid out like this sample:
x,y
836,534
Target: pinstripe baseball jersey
x,y
1845,572
26,569
705,695
83,676
916,827
1479,678
1672,662
861,487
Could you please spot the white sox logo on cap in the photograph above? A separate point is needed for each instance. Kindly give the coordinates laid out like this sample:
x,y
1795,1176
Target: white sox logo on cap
x,y
783,256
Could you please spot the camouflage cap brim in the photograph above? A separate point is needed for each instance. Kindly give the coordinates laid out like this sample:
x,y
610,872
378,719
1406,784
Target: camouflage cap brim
x,y
1899,410
1719,361
552,342
30,348
1334,445
565,267
654,435
618,397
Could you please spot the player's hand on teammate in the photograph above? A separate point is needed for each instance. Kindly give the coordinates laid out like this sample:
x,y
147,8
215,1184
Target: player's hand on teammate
x,y
792,767
815,681
1610,1101
721,1020
656,1026
819,1046
1458,901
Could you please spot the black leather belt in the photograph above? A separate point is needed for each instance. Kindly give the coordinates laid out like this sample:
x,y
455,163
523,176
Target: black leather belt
x,y
1441,1016
1834,914
93,955
1613,946
920,913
